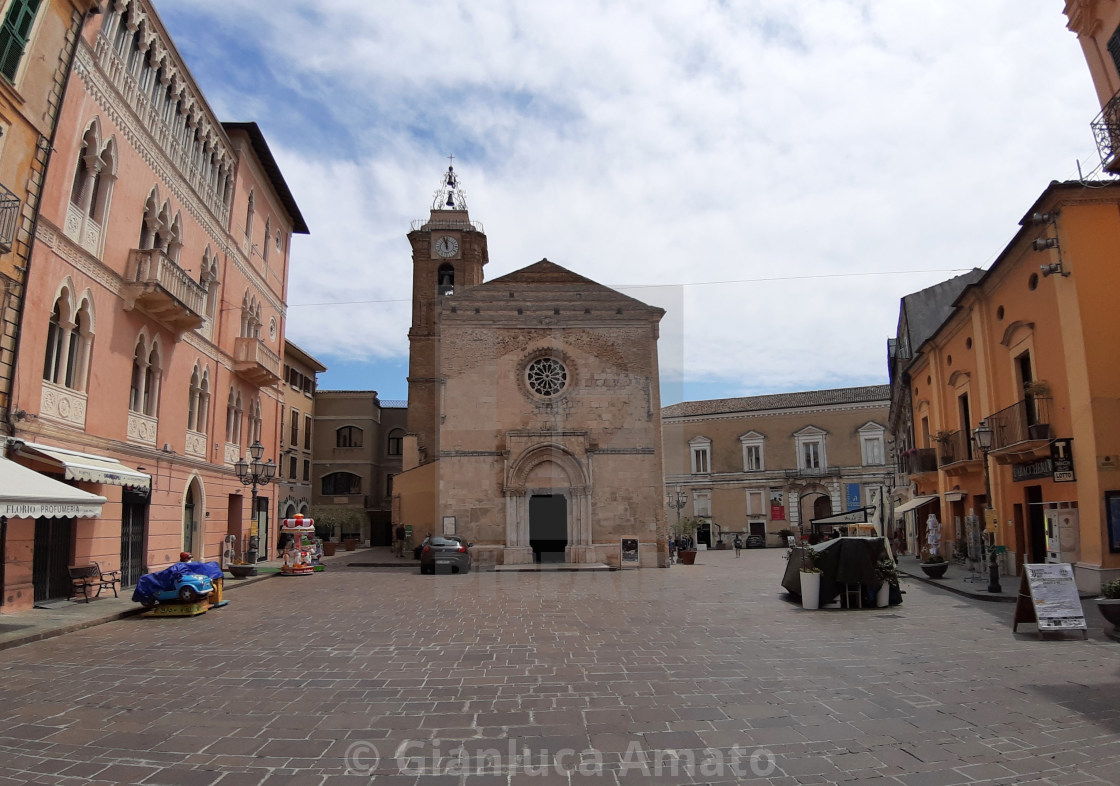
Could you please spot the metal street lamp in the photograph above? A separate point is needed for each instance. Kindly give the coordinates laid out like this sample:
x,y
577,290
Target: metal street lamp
x,y
677,500
255,472
983,436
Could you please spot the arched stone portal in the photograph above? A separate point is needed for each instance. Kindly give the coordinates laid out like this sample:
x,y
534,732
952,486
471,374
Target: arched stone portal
x,y
547,495
814,503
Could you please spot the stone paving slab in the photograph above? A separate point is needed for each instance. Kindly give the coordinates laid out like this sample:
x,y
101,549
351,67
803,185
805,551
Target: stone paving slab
x,y
702,674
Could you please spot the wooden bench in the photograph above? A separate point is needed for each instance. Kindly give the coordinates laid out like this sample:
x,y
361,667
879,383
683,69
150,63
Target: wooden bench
x,y
84,578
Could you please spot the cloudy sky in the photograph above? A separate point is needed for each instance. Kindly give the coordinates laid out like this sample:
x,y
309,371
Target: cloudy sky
x,y
776,174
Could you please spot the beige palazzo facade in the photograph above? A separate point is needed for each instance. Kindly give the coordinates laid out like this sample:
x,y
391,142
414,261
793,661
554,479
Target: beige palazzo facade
x,y
534,425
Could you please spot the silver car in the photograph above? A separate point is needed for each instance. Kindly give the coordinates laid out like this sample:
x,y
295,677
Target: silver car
x,y
445,554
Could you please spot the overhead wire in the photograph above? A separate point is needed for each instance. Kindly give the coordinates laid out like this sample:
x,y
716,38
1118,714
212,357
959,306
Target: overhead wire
x,y
720,282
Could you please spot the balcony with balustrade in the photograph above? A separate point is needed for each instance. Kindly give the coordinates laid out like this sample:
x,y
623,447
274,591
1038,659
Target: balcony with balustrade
x,y
955,453
156,285
254,362
1022,432
918,461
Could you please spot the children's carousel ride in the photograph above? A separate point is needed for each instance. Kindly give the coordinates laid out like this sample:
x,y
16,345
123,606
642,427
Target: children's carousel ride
x,y
301,553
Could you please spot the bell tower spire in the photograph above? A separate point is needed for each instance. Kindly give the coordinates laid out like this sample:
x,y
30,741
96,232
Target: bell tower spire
x,y
448,253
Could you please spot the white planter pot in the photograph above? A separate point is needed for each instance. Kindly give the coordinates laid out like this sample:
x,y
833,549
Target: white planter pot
x,y
810,590
883,596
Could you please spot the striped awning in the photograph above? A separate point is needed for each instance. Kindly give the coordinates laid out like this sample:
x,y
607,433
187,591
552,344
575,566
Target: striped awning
x,y
27,494
88,467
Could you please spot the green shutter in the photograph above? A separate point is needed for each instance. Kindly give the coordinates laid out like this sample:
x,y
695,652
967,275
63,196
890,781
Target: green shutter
x,y
14,35
1114,48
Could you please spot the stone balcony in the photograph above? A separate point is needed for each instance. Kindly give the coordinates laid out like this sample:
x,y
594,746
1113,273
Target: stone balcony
x,y
254,362
160,288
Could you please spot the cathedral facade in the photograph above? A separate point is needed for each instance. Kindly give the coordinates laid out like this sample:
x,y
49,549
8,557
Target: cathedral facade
x,y
534,427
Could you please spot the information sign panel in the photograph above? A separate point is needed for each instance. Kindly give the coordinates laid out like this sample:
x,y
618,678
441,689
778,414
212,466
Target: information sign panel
x,y
1048,596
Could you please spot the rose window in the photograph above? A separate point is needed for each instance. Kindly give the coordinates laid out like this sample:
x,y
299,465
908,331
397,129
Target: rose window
x,y
547,376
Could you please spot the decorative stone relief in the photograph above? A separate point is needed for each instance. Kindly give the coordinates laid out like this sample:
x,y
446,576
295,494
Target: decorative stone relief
x,y
63,404
142,428
232,453
73,226
195,444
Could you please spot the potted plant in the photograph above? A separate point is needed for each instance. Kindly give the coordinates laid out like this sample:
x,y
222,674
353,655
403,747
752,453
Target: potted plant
x,y
685,532
330,520
1109,605
1037,388
810,578
324,532
934,566
241,568
887,573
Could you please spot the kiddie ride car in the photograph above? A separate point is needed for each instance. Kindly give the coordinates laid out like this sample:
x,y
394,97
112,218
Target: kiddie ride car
x,y
184,589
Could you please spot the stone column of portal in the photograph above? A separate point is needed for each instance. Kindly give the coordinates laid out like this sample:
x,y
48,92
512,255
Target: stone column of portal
x,y
517,550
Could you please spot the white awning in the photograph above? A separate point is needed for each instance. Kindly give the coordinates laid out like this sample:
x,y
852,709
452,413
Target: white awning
x,y
917,502
955,496
27,494
88,467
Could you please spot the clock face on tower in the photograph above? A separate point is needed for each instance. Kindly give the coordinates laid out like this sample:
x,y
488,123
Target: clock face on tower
x,y
447,246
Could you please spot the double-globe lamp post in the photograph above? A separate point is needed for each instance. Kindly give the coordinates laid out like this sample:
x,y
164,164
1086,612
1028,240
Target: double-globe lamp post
x,y
983,436
255,473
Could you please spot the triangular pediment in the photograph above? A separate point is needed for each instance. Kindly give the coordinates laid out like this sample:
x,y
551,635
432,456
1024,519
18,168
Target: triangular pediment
x,y
544,272
547,282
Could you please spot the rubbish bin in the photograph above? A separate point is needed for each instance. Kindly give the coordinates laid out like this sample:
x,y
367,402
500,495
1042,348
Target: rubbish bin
x,y
252,551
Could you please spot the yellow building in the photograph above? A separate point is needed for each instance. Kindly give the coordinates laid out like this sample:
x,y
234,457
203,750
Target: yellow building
x,y
1028,352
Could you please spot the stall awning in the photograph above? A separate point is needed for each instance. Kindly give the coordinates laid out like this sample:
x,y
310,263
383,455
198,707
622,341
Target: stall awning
x,y
27,494
857,516
955,496
917,502
88,467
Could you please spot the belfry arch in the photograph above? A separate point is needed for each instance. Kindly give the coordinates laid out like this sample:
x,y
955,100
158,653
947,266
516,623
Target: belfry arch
x,y
547,470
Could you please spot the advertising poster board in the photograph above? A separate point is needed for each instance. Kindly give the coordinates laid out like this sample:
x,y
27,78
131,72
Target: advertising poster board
x,y
1048,596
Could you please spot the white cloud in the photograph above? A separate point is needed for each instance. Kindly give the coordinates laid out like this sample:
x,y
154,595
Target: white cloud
x,y
666,143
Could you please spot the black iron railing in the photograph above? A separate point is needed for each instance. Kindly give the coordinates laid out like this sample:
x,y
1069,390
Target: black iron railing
x,y
953,447
918,460
1106,130
1026,421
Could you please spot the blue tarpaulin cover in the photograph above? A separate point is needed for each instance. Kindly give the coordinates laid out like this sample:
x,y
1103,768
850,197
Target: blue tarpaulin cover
x,y
152,584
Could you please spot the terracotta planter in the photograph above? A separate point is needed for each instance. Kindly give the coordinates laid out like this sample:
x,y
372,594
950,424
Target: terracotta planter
x,y
935,570
687,557
350,544
329,548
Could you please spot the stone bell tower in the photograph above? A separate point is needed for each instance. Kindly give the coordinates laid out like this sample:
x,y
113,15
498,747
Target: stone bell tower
x,y
448,252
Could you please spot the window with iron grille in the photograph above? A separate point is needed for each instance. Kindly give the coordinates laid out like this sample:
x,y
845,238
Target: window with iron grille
x,y
14,35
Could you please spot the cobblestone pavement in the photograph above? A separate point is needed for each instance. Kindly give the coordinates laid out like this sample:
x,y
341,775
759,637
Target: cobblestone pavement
x,y
339,678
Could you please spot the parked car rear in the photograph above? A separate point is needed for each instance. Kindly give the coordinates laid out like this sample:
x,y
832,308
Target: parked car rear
x,y
755,542
446,554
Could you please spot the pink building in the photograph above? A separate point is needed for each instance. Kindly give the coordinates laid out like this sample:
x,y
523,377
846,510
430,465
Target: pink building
x,y
151,338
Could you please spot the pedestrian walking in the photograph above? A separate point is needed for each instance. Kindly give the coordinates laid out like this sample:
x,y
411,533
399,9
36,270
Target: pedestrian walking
x,y
672,549
738,546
